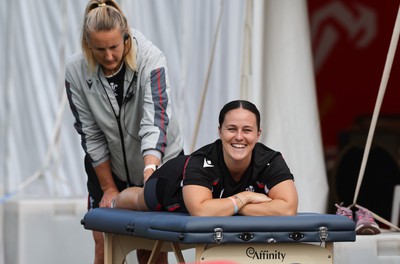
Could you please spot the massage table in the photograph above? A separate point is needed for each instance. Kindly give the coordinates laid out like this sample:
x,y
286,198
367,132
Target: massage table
x,y
304,238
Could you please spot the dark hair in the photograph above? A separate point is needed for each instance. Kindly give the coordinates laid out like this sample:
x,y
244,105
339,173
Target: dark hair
x,y
239,104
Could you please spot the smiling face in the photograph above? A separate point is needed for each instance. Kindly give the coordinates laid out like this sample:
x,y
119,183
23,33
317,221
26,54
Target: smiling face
x,y
107,48
239,133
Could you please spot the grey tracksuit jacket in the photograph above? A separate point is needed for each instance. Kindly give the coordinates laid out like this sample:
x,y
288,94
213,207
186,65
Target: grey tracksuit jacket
x,y
144,122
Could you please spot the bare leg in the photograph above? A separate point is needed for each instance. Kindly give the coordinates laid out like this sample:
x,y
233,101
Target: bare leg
x,y
131,198
144,255
98,247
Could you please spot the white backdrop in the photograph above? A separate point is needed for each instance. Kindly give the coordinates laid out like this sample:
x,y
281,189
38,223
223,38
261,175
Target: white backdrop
x,y
216,50
262,52
276,74
41,35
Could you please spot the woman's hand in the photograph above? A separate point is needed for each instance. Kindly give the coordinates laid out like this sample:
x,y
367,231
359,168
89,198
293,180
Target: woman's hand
x,y
108,196
248,197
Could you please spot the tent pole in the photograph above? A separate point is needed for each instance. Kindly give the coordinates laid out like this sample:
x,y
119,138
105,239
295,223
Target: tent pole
x,y
381,93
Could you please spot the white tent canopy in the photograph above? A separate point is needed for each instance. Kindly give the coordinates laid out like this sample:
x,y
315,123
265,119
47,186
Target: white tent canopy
x,y
216,50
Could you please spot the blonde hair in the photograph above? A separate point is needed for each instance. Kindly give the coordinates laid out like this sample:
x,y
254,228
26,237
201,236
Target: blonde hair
x,y
105,15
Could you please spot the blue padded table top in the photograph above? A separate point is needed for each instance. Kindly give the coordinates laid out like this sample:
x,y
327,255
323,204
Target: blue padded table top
x,y
182,228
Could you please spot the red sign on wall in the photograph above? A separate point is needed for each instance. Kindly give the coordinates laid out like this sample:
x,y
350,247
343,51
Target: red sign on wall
x,y
350,43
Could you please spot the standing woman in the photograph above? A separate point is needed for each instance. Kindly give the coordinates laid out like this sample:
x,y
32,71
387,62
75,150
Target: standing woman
x,y
234,175
119,93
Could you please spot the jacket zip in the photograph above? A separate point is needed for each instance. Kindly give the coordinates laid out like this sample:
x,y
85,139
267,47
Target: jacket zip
x,y
121,135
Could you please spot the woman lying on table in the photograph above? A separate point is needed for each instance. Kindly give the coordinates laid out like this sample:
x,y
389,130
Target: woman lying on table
x,y
234,175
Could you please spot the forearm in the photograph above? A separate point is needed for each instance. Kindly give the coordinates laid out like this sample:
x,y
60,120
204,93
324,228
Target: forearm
x,y
216,207
270,208
104,174
283,200
199,201
150,160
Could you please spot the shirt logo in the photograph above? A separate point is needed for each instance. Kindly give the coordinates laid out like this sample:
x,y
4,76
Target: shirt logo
x,y
207,163
250,188
114,87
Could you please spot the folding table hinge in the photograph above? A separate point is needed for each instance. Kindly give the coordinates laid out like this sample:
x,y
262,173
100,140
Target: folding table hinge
x,y
323,233
218,235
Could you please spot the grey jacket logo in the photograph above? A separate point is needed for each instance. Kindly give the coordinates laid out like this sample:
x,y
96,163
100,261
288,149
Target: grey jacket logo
x,y
89,83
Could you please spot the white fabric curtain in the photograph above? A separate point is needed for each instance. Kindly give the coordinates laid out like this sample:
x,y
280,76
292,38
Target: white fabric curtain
x,y
284,88
38,37
217,51
186,32
3,92
205,45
